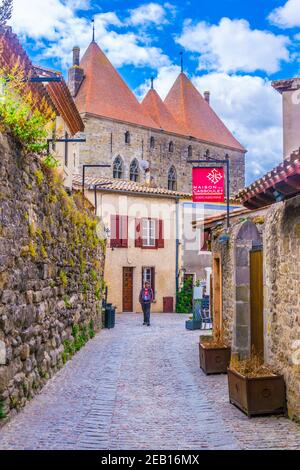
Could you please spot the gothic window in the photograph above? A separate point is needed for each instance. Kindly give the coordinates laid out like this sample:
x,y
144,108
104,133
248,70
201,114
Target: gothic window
x,y
152,142
172,179
190,151
134,171
127,137
171,147
118,168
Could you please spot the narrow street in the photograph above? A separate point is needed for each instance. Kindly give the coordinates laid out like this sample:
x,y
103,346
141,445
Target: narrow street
x,y
141,388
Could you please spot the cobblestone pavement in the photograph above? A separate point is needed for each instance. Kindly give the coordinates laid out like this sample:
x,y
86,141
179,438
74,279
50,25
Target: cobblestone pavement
x,y
136,387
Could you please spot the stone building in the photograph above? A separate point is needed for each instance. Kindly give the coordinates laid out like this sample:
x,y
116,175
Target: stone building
x,y
164,134
57,95
256,268
143,226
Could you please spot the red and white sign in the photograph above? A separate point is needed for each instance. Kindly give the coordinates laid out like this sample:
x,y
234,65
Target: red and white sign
x,y
208,184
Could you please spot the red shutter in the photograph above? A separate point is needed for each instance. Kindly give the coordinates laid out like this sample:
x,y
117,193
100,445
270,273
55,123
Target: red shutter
x,y
113,231
204,243
160,242
124,231
153,281
138,233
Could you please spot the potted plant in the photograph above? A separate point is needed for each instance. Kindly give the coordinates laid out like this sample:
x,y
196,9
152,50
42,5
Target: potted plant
x,y
255,388
214,354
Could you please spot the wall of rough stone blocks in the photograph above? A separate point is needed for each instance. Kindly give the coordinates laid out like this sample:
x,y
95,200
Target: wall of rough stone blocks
x,y
51,275
282,296
105,141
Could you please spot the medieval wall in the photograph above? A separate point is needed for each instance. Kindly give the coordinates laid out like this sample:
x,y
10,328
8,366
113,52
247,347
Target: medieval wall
x,y
282,295
51,276
105,141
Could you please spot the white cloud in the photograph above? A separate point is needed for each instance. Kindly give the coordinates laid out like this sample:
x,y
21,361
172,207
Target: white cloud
x,y
232,46
59,28
287,16
165,78
148,13
251,109
248,105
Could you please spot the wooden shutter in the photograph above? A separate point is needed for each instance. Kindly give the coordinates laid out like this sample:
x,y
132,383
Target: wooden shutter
x,y
138,233
204,244
153,281
160,242
114,230
123,230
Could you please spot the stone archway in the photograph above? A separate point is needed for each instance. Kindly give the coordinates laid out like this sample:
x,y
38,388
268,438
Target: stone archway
x,y
247,237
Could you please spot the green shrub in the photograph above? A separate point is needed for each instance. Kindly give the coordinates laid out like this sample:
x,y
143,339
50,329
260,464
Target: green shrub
x,y
21,114
184,298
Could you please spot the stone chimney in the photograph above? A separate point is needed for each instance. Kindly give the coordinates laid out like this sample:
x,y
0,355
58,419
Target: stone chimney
x,y
76,73
290,91
207,96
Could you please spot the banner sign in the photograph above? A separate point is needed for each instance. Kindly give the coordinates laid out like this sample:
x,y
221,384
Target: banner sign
x,y
208,184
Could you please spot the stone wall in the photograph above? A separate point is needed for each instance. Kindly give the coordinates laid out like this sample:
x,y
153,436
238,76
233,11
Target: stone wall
x,y
51,276
105,141
235,263
282,296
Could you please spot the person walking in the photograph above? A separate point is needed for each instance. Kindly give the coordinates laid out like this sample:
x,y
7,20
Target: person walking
x,y
146,298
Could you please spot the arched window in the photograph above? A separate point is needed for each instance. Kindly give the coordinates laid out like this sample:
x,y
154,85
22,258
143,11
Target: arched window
x,y
134,170
171,147
190,151
152,142
127,137
172,179
118,168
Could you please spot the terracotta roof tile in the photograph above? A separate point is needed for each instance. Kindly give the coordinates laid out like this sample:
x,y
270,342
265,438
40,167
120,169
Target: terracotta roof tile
x,y
278,184
118,185
104,93
153,105
195,115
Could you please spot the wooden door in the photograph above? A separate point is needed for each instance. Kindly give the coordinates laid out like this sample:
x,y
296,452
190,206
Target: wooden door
x,y
257,302
127,289
217,293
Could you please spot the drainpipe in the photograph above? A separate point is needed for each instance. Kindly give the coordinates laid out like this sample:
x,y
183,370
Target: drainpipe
x,y
177,246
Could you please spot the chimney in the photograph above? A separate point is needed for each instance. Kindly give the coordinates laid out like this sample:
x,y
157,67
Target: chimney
x,y
76,55
290,91
76,73
207,96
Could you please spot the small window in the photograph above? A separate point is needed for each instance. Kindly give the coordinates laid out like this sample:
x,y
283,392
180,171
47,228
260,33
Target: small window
x,y
127,137
171,147
152,142
149,232
172,179
118,168
190,151
134,171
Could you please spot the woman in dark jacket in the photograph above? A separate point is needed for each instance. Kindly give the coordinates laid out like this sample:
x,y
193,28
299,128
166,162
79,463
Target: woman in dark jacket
x,y
146,298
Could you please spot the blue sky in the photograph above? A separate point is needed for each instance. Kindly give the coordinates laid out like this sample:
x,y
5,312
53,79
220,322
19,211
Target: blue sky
x,y
232,48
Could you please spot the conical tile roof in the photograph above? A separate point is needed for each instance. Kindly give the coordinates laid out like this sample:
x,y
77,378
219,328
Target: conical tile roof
x,y
153,105
104,93
195,116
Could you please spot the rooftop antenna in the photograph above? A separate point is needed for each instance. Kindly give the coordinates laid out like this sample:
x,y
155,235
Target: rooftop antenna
x,y
181,61
93,21
152,80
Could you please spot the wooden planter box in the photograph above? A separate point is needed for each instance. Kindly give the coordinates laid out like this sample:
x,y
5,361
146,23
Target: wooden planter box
x,y
257,395
214,360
